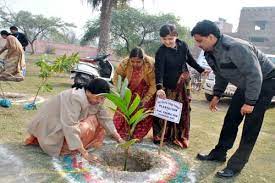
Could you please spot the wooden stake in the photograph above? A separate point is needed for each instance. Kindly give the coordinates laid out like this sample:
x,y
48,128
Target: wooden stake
x,y
162,135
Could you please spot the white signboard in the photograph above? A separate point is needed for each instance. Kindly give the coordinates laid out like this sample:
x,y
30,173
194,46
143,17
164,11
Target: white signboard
x,y
167,109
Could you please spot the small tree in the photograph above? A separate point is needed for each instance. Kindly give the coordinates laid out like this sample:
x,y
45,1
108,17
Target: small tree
x,y
61,64
64,63
130,110
44,73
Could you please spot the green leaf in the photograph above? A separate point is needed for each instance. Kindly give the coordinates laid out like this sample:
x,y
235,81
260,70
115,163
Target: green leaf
x,y
117,101
114,92
136,116
127,144
65,63
46,88
127,97
123,87
142,117
118,86
115,110
45,68
134,105
135,123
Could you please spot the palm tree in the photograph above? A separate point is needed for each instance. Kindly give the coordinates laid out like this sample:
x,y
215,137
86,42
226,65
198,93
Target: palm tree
x,y
105,20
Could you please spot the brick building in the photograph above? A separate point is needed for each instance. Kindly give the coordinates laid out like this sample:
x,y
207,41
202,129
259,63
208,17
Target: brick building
x,y
257,25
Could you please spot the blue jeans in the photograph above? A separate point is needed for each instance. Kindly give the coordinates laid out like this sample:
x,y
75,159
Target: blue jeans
x,y
24,70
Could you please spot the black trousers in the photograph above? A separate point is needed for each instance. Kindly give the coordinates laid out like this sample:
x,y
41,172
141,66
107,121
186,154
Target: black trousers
x,y
251,128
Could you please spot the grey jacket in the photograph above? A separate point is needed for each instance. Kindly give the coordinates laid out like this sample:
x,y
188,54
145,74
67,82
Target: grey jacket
x,y
240,63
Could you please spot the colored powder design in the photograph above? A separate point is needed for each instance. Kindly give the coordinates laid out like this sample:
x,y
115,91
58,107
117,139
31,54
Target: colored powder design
x,y
77,170
183,170
73,165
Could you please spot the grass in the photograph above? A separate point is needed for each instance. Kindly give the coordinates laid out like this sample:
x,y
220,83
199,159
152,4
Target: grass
x,y
205,128
13,123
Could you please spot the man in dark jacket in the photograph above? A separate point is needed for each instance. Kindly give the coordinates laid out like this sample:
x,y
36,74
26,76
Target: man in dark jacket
x,y
240,63
20,36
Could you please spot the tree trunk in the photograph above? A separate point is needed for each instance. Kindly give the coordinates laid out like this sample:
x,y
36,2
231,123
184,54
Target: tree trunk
x,y
32,47
105,25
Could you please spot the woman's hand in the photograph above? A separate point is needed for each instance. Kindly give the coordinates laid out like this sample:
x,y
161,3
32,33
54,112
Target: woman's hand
x,y
117,137
184,76
120,140
91,158
85,154
213,104
161,94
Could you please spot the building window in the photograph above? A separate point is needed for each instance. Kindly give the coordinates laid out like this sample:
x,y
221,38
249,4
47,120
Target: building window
x,y
260,25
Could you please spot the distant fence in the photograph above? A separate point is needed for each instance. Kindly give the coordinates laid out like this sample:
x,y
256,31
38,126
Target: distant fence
x,y
50,47
61,48
42,47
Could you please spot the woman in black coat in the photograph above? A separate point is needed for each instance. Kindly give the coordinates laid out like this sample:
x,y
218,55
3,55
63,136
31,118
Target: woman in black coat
x,y
172,82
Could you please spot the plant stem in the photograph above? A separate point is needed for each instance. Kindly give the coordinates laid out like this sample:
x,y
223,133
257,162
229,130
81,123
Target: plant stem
x,y
126,153
39,90
126,158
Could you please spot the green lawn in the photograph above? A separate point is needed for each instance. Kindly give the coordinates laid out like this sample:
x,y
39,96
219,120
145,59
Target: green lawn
x,y
205,128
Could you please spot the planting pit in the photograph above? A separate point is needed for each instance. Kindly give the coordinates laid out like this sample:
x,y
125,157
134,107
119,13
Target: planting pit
x,y
144,165
138,161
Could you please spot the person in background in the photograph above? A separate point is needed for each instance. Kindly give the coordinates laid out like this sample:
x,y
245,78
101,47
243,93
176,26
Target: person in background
x,y
173,82
14,60
73,121
242,64
138,68
22,38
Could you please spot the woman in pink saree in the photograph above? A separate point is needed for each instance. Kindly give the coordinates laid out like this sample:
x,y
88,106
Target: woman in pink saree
x,y
138,68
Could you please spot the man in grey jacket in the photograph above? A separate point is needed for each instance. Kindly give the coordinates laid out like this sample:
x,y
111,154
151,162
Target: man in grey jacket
x,y
240,63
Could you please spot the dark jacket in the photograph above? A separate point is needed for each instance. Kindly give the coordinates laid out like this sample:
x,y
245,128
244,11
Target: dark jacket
x,y
22,39
240,63
170,63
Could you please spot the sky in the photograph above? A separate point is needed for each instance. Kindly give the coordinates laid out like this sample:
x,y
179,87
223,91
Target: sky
x,y
190,12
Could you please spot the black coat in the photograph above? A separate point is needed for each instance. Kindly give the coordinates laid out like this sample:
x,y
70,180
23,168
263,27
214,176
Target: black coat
x,y
170,63
22,39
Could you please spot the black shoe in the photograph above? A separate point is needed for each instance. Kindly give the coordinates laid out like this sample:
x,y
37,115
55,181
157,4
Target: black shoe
x,y
211,157
226,173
